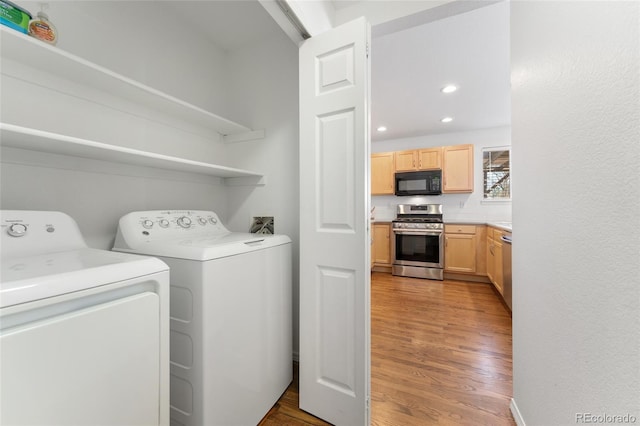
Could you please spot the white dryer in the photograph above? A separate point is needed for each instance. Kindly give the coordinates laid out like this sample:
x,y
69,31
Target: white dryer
x,y
83,332
231,319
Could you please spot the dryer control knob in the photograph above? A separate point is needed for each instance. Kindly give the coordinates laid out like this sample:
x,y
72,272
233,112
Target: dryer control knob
x,y
147,224
202,221
17,230
184,222
164,223
213,220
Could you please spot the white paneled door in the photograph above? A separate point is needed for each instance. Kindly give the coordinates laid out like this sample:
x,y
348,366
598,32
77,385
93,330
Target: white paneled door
x,y
334,225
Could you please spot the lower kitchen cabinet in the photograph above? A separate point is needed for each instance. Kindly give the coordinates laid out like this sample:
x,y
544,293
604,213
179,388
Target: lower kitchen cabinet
x,y
494,258
381,249
465,249
460,252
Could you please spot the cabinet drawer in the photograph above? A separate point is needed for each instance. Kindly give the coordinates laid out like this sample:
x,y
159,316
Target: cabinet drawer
x,y
460,229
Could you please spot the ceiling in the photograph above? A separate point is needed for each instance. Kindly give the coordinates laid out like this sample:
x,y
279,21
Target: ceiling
x,y
409,67
229,24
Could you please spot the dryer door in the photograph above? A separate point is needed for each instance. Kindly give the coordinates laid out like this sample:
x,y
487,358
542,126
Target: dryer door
x,y
97,365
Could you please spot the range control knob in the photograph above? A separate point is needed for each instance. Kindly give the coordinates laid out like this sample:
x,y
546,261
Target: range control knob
x,y
184,222
147,224
17,230
164,223
202,221
213,220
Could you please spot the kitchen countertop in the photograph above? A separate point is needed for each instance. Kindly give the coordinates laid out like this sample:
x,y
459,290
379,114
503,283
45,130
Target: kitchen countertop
x,y
506,226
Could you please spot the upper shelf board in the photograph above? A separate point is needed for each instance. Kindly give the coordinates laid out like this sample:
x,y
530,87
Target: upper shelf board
x,y
38,140
32,52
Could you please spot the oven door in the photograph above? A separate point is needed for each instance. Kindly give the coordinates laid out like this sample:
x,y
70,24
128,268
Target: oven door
x,y
418,248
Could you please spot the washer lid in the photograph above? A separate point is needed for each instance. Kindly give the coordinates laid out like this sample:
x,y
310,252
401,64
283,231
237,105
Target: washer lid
x,y
30,278
203,247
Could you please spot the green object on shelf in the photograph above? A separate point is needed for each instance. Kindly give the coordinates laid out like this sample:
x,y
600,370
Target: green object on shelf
x,y
13,16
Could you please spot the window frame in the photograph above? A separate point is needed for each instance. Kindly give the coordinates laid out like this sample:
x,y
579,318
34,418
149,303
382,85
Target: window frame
x,y
498,199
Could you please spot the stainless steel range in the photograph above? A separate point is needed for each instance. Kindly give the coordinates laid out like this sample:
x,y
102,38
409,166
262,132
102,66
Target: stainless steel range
x,y
418,247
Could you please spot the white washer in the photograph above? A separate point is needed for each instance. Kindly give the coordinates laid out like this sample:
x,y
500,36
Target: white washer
x,y
231,321
84,333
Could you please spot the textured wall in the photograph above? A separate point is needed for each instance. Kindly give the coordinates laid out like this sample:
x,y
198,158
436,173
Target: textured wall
x,y
576,212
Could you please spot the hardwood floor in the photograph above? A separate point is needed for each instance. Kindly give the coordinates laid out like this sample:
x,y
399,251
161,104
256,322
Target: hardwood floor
x,y
440,355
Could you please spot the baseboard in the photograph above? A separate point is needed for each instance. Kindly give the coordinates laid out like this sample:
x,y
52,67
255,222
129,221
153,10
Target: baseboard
x,y
516,413
466,277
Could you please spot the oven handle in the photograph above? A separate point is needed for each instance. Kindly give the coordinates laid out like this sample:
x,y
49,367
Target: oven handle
x,y
429,233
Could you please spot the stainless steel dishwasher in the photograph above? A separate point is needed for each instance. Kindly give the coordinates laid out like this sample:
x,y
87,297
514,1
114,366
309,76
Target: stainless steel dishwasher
x,y
506,268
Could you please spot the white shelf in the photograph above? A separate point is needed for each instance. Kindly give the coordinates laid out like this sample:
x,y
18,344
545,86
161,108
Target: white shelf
x,y
32,52
38,140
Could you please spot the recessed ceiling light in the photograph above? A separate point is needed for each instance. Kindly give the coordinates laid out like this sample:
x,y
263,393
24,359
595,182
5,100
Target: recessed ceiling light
x,y
449,89
382,129
447,120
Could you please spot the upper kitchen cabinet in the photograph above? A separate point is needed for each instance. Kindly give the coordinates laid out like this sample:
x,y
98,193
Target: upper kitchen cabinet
x,y
418,159
457,169
382,171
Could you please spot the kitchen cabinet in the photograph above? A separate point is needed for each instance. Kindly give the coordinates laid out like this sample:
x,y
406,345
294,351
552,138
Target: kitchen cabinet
x,y
381,249
494,258
460,248
457,171
465,249
418,159
382,171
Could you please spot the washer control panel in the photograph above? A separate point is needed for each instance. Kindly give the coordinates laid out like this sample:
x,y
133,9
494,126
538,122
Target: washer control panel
x,y
168,224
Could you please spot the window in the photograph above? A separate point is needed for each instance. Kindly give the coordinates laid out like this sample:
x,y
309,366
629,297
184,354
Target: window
x,y
496,173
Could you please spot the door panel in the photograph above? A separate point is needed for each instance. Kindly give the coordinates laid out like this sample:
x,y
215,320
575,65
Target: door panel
x,y
334,225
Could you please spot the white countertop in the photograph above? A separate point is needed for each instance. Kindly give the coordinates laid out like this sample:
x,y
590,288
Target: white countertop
x,y
502,225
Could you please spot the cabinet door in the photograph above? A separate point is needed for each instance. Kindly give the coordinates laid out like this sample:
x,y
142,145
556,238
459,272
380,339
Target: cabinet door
x,y
406,161
491,257
460,252
457,171
382,244
499,280
382,170
430,158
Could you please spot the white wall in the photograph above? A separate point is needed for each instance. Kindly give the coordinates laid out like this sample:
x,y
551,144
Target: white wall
x,y
576,210
456,207
143,41
264,84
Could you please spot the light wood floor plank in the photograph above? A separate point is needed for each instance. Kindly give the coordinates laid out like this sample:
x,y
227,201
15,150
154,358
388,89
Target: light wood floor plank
x,y
440,355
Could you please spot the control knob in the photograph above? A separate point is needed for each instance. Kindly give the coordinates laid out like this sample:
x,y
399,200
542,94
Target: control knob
x,y
184,222
17,230
147,224
164,223
213,220
202,221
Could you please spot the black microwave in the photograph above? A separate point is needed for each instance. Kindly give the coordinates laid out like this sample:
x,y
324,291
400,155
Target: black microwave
x,y
428,182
